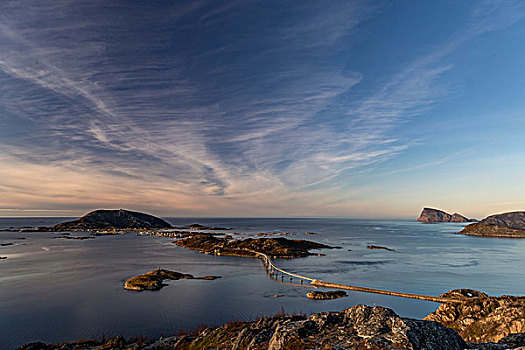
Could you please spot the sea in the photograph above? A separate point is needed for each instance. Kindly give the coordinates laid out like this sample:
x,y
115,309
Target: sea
x,y
58,290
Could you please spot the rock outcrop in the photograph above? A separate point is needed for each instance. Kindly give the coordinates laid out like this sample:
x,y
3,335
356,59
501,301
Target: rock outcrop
x,y
482,318
333,294
275,247
153,280
359,327
500,225
112,219
430,215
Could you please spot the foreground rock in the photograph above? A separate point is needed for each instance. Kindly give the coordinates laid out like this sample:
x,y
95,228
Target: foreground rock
x,y
110,220
500,225
275,247
153,280
482,318
334,294
360,327
430,216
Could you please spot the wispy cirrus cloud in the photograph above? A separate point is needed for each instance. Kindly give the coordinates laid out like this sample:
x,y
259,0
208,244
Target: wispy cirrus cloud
x,y
210,103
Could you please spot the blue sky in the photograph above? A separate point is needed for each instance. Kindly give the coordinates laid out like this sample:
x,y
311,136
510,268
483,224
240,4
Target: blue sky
x,y
262,108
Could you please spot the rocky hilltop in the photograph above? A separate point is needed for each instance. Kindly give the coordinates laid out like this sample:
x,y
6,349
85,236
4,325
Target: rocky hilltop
x,y
500,225
482,318
112,219
430,215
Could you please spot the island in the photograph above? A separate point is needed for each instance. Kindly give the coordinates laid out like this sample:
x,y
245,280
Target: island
x,y
153,280
431,216
333,294
511,225
111,219
249,247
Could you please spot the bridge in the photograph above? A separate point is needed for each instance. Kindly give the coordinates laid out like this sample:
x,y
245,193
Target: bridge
x,y
297,280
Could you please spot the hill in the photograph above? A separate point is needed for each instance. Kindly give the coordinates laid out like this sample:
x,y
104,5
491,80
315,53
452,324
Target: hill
x,y
113,219
510,224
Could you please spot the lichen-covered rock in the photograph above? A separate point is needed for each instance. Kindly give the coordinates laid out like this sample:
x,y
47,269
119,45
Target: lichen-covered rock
x,y
360,327
483,319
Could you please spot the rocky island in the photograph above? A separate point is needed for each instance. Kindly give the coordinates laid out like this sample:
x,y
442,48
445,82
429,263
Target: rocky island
x,y
510,225
333,294
153,280
430,216
111,220
274,247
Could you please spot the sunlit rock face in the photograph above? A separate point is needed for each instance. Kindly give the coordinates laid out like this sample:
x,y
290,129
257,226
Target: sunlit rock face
x,y
430,215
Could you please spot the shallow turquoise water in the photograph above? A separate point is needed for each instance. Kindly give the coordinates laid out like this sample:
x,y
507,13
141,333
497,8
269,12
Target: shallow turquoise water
x,y
61,290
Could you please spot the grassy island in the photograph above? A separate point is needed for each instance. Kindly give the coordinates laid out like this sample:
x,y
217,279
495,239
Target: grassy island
x,y
153,280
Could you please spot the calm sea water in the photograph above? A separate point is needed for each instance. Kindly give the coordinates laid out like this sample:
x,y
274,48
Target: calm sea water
x,y
56,290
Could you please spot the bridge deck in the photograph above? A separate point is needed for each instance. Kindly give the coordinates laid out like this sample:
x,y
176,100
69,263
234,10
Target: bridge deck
x,y
271,269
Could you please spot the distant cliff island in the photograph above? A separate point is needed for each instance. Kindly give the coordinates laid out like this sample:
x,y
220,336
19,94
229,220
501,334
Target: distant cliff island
x,y
431,216
511,225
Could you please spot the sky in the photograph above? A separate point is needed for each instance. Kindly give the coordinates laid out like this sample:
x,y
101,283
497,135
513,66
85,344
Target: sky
x,y
369,109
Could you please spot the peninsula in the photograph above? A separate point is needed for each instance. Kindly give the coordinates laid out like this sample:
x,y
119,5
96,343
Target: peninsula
x,y
510,225
275,247
431,216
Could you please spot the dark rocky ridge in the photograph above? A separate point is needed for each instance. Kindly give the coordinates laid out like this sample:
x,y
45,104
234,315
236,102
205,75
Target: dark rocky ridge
x,y
430,215
112,219
500,225
275,247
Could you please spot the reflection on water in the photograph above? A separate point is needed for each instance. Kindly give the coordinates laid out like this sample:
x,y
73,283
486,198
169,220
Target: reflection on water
x,y
57,290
